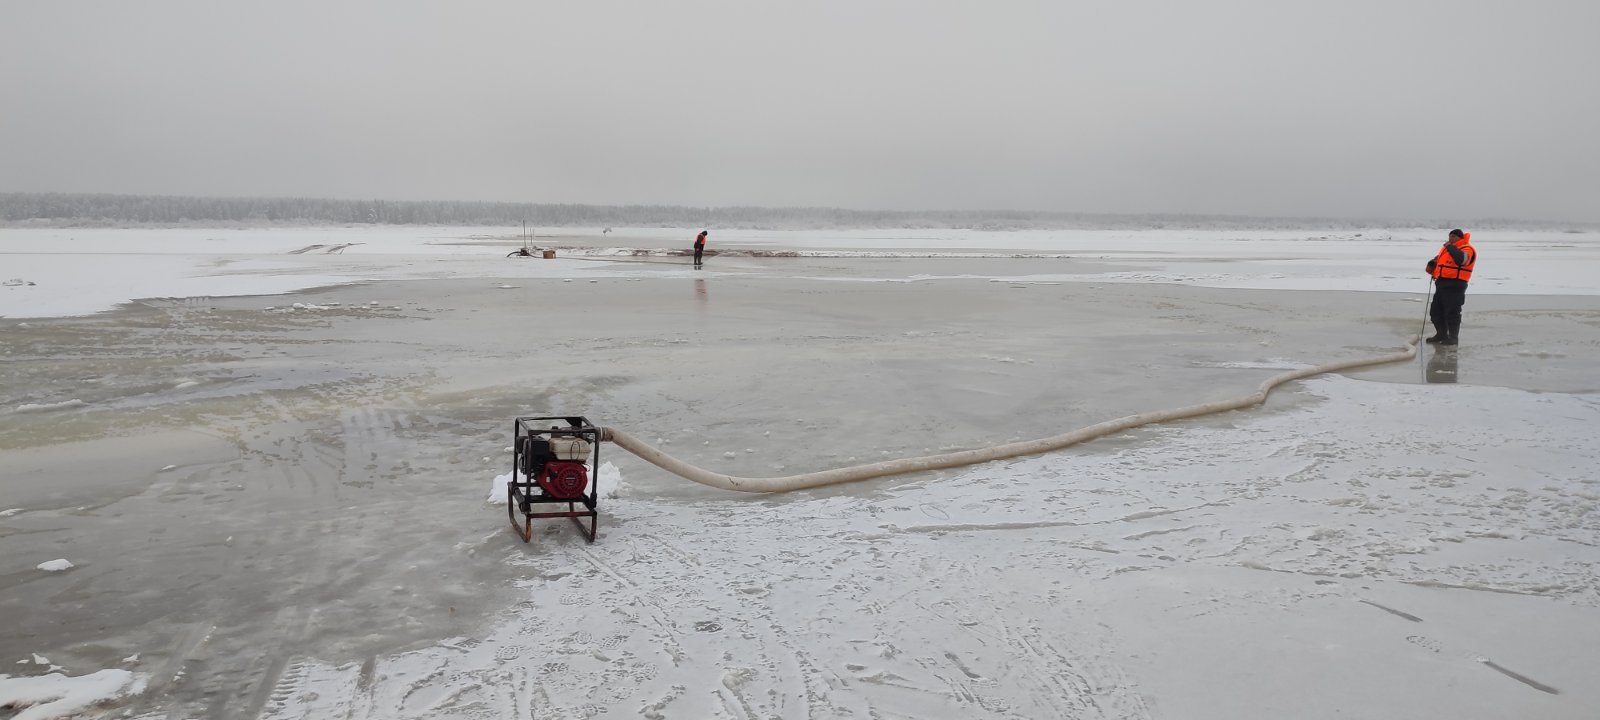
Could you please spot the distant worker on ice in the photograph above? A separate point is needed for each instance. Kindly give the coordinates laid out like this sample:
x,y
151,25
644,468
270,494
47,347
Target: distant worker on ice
x,y
1450,270
699,246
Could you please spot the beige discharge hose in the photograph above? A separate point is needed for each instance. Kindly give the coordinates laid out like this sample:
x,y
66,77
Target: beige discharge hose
x,y
803,481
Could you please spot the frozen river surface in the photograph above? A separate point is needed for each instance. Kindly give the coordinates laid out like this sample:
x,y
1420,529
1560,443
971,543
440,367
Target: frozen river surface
x,y
274,506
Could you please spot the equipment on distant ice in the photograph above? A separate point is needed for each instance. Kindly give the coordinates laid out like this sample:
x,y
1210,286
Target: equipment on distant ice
x,y
553,465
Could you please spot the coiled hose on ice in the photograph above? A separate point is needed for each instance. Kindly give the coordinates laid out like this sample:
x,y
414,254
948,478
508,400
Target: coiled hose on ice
x,y
655,456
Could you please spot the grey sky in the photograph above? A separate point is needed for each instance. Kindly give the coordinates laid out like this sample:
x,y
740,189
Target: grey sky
x,y
1405,109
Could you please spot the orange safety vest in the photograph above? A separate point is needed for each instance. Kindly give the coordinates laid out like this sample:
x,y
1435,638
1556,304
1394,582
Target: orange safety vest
x,y
700,240
1444,266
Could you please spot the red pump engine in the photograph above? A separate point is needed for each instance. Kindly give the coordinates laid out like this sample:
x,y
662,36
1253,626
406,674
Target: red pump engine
x,y
558,463
565,479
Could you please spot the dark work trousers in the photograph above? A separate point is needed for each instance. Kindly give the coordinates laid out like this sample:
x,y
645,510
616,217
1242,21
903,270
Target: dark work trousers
x,y
701,248
1448,297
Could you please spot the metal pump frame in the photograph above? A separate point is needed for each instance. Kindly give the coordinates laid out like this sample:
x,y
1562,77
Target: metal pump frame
x,y
524,493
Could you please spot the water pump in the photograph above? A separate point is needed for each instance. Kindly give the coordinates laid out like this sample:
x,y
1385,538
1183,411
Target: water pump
x,y
553,463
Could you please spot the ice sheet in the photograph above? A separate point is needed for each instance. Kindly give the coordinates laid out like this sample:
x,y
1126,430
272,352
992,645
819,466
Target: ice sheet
x,y
1360,547
79,271
1315,562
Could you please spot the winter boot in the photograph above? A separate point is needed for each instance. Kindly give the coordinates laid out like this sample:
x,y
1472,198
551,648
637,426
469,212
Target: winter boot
x,y
1440,332
1453,335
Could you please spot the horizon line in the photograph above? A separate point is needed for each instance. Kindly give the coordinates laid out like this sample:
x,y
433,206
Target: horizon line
x,y
969,212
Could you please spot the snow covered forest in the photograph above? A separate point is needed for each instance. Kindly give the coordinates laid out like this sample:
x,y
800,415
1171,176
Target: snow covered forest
x,y
93,210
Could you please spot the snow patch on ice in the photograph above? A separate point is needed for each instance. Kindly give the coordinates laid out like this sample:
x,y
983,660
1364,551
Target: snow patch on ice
x,y
60,696
47,407
56,565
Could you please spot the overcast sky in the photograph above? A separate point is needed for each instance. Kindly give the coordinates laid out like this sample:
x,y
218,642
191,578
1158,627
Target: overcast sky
x,y
1405,109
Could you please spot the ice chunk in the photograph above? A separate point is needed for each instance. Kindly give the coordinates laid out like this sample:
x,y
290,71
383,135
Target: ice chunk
x,y
609,485
497,489
55,565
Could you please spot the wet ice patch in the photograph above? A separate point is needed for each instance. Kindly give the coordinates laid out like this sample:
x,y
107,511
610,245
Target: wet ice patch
x,y
57,695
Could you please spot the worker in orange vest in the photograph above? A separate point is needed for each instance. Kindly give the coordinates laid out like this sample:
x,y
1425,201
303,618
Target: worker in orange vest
x,y
699,246
1450,271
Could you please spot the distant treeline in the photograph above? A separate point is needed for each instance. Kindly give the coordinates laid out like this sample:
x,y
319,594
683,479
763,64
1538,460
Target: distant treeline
x,y
84,209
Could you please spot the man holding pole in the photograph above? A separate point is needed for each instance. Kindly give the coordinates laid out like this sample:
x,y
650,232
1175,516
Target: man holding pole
x,y
1450,271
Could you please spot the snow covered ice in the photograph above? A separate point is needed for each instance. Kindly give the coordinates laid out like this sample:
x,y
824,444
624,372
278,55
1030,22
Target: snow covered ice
x,y
275,505
55,695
